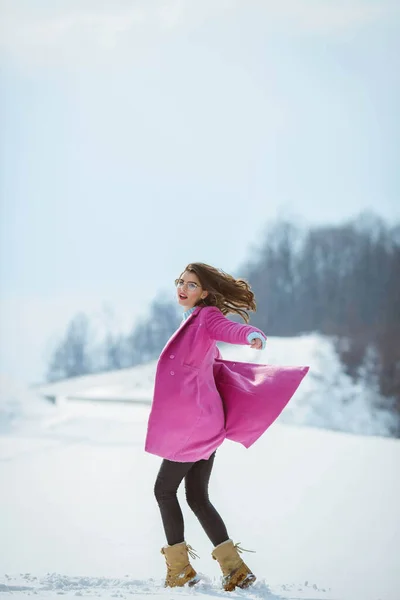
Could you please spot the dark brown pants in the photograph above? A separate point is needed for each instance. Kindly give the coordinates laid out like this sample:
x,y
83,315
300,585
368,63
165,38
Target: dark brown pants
x,y
196,476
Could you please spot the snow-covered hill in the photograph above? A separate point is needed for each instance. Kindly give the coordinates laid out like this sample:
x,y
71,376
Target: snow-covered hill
x,y
78,517
20,406
327,397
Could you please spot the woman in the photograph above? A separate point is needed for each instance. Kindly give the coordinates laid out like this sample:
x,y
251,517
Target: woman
x,y
198,402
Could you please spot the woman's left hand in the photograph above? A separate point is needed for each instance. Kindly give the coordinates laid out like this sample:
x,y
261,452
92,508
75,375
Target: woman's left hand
x,y
256,344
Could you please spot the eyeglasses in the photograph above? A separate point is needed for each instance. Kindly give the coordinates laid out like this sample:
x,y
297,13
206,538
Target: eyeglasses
x,y
191,285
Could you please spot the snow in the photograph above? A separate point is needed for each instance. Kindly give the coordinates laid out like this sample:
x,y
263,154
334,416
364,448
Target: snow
x,y
319,507
20,406
78,517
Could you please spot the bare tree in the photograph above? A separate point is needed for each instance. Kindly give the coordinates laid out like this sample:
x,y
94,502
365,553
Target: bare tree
x,y
72,355
150,334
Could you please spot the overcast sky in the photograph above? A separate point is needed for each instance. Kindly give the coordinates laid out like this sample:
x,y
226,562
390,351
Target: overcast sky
x,y
137,136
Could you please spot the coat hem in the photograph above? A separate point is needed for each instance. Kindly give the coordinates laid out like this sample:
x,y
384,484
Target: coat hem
x,y
173,457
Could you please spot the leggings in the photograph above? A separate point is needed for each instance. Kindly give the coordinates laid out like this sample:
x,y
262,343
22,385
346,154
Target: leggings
x,y
196,475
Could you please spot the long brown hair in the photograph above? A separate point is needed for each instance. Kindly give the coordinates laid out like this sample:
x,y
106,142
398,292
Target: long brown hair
x,y
230,295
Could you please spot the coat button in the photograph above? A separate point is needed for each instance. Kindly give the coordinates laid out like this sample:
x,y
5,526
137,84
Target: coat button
x,y
172,356
172,372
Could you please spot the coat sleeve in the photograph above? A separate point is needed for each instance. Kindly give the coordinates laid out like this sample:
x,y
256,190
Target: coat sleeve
x,y
221,329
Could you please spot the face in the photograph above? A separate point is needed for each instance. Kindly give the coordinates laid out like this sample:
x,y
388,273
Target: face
x,y
189,291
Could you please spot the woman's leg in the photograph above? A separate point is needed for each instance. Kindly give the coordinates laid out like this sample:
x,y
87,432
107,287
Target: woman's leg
x,y
168,480
196,483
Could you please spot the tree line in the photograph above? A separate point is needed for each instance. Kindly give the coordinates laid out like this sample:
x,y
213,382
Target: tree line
x,y
340,280
78,354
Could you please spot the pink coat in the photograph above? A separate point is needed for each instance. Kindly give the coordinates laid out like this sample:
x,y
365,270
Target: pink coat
x,y
200,399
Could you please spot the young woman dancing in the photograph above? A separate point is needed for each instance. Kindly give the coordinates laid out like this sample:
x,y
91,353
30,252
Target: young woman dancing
x,y
200,400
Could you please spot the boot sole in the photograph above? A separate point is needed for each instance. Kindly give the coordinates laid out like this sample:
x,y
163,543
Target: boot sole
x,y
250,579
193,581
239,579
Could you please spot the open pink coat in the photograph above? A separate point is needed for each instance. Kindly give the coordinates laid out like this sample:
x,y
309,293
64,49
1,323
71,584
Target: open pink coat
x,y
200,399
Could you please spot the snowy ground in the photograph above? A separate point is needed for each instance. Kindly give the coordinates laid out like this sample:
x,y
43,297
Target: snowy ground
x,y
77,515
321,508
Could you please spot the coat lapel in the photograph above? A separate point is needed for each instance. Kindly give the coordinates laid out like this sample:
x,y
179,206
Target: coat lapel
x,y
179,330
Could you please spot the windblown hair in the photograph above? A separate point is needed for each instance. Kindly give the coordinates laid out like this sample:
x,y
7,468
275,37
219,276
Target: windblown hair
x,y
230,295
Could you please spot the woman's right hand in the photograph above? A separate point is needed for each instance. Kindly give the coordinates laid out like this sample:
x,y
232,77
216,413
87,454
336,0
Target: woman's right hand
x,y
256,344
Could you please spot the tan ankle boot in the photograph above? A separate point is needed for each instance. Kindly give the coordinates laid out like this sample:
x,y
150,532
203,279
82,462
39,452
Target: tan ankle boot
x,y
179,569
235,572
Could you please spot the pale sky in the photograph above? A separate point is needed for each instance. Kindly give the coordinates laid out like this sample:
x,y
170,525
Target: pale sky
x,y
137,136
